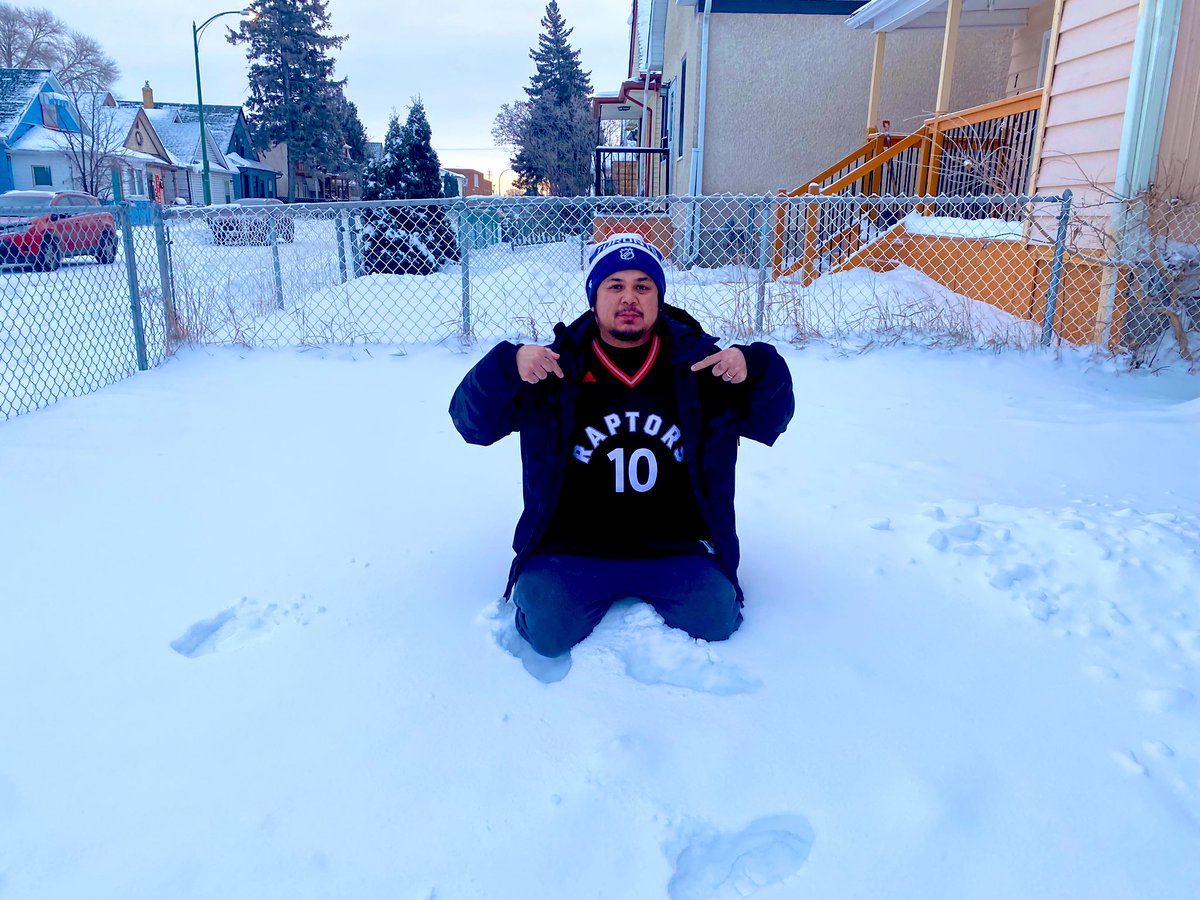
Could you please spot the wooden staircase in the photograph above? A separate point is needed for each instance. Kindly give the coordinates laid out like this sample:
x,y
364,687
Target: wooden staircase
x,y
987,150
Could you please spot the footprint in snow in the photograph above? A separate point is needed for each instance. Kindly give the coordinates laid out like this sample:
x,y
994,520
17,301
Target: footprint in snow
x,y
652,653
714,865
238,626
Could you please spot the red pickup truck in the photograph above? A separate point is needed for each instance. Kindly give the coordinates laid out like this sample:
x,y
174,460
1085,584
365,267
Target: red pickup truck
x,y
42,228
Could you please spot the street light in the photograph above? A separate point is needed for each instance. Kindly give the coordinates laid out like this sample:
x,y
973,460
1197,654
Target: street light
x,y
196,32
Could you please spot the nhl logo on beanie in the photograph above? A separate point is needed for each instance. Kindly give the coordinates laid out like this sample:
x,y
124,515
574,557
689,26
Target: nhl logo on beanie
x,y
620,252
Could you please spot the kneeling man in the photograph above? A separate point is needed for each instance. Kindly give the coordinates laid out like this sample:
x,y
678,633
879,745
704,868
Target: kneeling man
x,y
629,426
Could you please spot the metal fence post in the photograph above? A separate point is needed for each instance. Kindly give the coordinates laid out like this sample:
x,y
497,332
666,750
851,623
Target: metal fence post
x,y
465,260
164,277
135,298
760,229
273,233
1060,243
356,260
339,228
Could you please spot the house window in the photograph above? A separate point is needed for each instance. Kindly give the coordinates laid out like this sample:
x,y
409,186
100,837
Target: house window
x,y
681,105
49,113
1043,60
42,177
664,119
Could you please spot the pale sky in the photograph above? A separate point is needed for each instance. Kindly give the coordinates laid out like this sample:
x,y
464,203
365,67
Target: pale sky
x,y
463,57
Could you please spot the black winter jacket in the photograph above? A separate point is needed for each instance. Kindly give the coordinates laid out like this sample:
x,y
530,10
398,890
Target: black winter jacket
x,y
492,401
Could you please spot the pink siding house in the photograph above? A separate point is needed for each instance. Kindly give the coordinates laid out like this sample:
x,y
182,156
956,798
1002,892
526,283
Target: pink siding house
x,y
1116,85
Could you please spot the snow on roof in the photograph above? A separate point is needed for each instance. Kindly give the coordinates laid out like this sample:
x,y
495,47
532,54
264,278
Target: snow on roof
x,y
242,163
40,139
30,195
18,88
219,120
181,139
138,156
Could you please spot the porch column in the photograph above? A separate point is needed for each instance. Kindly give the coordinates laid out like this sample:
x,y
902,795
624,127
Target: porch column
x,y
876,84
949,48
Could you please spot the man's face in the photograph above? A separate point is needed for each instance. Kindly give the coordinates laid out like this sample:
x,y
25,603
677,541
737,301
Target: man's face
x,y
626,308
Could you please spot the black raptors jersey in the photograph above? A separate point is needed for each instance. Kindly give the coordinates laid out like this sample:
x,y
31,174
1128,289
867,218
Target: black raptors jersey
x,y
626,491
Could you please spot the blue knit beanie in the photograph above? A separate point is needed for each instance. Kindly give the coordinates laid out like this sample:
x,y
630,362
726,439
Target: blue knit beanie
x,y
618,253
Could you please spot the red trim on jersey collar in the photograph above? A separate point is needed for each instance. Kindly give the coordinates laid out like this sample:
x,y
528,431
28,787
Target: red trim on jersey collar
x,y
628,381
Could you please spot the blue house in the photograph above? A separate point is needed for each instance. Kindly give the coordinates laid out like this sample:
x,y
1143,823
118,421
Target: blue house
x,y
35,112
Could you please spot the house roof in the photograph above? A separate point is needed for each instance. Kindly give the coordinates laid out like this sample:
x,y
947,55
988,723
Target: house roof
x,y
242,163
898,15
41,139
181,139
96,113
219,120
18,88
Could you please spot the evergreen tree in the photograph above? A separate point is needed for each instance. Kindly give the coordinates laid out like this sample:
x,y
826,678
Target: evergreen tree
x,y
353,131
408,239
381,178
409,168
553,129
421,177
293,95
559,75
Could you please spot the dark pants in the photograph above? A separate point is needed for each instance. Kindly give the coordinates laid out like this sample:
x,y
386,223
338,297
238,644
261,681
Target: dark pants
x,y
561,598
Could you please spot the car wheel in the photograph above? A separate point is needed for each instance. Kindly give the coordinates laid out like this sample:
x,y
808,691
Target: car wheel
x,y
106,251
49,257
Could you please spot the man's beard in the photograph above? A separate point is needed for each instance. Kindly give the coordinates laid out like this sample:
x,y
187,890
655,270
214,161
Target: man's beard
x,y
628,334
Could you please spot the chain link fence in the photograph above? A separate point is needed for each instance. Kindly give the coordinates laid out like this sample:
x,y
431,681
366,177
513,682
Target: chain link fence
x,y
81,303
978,271
1144,255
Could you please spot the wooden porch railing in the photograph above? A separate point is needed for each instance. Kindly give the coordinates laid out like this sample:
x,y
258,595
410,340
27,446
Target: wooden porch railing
x,y
985,150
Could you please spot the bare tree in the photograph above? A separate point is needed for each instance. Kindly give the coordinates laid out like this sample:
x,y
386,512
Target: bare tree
x,y
38,39
1150,245
553,141
95,150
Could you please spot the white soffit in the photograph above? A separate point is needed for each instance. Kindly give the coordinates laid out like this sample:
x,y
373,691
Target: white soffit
x,y
897,15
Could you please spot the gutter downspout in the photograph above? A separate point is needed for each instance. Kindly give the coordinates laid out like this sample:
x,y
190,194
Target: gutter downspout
x,y
1141,135
697,179
643,177
696,176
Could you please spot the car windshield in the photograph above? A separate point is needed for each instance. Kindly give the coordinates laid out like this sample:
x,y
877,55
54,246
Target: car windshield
x,y
18,201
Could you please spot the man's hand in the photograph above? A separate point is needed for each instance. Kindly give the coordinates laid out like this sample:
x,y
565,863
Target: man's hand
x,y
536,363
729,364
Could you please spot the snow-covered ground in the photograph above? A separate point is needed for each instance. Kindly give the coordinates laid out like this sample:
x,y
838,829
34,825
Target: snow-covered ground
x,y
252,648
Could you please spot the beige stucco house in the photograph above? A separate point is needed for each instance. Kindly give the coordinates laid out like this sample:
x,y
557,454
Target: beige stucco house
x,y
755,96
